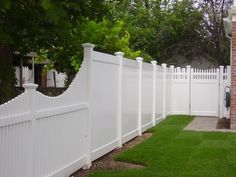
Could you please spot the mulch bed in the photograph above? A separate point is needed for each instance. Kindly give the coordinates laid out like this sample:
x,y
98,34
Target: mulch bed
x,y
223,124
107,161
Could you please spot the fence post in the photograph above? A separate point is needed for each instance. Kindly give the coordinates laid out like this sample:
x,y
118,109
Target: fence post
x,y
221,92
217,71
164,90
192,71
154,64
119,112
88,49
140,74
172,69
31,90
188,67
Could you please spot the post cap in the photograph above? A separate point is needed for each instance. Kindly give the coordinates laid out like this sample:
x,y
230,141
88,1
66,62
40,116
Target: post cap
x,y
88,45
164,64
154,62
30,86
172,66
119,54
188,66
221,66
139,59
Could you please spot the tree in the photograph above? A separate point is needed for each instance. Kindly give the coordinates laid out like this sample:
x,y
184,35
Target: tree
x,y
32,25
179,34
108,36
56,30
214,35
171,29
161,28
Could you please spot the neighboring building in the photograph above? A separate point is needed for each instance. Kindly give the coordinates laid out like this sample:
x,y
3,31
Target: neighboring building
x,y
55,79
27,71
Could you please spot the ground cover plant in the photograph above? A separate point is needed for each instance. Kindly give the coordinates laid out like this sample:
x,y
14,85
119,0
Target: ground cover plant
x,y
173,152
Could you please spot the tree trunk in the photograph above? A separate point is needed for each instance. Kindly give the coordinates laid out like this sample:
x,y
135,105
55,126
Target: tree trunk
x,y
7,74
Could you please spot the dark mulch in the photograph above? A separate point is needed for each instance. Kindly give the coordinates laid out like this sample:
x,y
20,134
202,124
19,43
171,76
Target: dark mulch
x,y
107,161
223,124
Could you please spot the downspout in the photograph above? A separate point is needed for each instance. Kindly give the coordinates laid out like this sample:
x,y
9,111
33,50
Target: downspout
x,y
227,22
230,38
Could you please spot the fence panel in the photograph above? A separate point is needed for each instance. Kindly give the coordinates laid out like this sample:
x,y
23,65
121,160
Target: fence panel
x,y
147,85
15,108
130,100
168,91
15,136
159,92
58,118
205,92
76,93
14,152
60,143
104,91
180,91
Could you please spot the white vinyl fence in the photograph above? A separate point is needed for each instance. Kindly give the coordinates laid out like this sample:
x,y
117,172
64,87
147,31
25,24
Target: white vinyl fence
x,y
111,100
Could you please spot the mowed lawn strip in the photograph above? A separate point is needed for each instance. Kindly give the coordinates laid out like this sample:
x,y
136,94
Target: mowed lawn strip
x,y
172,152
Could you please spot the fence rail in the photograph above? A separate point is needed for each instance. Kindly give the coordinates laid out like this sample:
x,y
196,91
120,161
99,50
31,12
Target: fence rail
x,y
111,100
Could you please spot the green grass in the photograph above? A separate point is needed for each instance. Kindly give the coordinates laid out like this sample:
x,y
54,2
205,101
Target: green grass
x,y
172,152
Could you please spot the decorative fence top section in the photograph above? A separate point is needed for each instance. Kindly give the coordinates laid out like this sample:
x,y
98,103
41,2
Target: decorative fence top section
x,y
210,74
226,72
180,73
199,74
21,104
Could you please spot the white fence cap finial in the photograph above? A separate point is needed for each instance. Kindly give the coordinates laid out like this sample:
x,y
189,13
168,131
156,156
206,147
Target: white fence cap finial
x,y
172,66
154,62
164,64
88,45
119,54
139,59
30,86
221,66
188,66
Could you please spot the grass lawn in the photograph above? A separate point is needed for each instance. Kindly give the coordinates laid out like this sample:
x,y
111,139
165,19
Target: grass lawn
x,y
172,152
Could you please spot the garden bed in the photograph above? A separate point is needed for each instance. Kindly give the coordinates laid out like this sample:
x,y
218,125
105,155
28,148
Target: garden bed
x,y
107,162
223,124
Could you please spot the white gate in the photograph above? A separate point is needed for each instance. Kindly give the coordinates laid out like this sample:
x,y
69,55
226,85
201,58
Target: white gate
x,y
199,92
204,92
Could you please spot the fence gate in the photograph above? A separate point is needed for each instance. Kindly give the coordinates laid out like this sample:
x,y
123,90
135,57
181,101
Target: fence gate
x,y
204,90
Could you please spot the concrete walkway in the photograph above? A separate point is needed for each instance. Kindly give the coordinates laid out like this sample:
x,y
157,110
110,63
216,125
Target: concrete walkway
x,y
205,124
